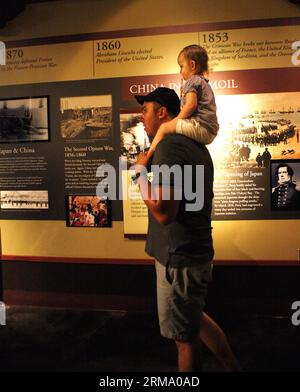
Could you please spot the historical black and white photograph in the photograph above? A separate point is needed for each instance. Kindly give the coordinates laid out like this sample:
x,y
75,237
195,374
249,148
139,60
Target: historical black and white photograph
x,y
255,128
88,211
24,120
87,117
21,200
285,184
134,138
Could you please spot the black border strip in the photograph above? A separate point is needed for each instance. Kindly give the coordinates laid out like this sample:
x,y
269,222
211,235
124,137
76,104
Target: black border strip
x,y
155,31
131,261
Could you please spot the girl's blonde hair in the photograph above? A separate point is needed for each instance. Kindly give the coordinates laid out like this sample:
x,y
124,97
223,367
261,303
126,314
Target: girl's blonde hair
x,y
197,54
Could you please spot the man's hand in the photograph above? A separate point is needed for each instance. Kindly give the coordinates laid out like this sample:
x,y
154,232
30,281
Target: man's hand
x,y
142,160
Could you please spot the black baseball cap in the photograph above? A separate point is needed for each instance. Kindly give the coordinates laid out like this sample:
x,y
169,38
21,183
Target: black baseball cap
x,y
164,96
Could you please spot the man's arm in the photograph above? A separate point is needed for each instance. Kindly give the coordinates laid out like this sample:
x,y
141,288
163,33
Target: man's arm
x,y
164,211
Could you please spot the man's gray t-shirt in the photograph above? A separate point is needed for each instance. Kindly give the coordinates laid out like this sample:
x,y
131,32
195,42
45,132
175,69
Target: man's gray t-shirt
x,y
187,240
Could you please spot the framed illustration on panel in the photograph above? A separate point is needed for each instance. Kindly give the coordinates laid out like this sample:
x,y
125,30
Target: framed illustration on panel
x,y
86,118
24,120
285,184
133,136
20,200
87,211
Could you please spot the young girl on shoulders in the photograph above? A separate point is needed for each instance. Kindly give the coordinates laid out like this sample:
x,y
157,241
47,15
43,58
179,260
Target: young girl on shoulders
x,y
197,118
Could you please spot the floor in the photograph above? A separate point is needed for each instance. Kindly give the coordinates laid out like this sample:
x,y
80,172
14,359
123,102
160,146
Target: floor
x,y
43,339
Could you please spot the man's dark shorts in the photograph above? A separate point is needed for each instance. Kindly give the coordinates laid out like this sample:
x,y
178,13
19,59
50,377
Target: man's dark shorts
x,y
181,294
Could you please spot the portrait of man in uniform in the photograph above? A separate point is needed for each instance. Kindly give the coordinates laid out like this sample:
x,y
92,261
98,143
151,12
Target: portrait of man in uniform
x,y
286,192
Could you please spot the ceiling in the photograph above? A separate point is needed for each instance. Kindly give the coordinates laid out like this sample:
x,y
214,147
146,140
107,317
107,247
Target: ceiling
x,y
11,8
